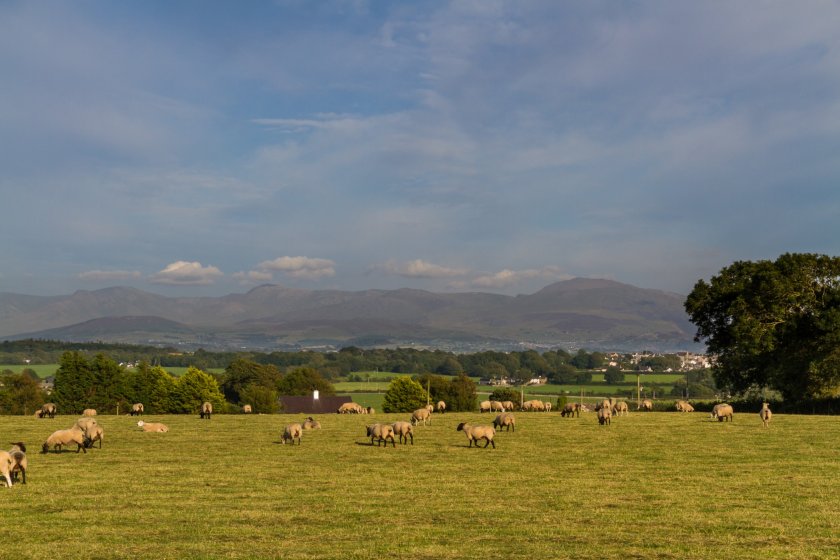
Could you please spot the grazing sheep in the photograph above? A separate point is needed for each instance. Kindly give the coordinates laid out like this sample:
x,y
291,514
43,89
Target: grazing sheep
x,y
206,410
570,410
547,406
484,406
603,404
646,404
683,406
291,432
39,413
95,433
48,410
505,420
85,423
496,406
89,412
370,410
430,407
475,433
90,428
441,407
620,408
722,411
137,409
152,426
509,406
766,414
17,463
534,405
382,432
6,462
404,431
605,416
60,438
311,424
421,415
349,408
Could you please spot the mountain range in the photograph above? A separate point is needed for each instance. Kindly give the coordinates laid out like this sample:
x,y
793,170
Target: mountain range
x,y
578,313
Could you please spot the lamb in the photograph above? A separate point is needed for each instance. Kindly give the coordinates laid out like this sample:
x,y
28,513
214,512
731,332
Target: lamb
x,y
60,438
646,404
620,408
48,410
291,432
766,414
404,431
441,407
505,420
311,424
137,409
152,426
604,416
382,432
722,411
246,409
14,462
206,410
570,410
421,415
683,406
89,412
475,433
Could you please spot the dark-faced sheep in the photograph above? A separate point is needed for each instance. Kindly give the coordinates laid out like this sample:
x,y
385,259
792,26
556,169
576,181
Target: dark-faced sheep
x,y
620,408
48,410
136,409
291,432
475,433
381,433
570,410
496,406
60,438
722,412
504,420
206,410
14,463
421,415
605,416
766,414
441,407
404,432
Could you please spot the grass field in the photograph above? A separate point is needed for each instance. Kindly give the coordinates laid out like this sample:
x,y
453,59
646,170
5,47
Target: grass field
x,y
655,485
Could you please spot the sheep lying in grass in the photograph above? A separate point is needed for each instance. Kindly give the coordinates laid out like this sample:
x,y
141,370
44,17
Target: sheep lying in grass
x,y
570,410
291,432
89,412
13,462
152,426
475,433
404,431
60,438
646,404
605,416
48,410
311,424
206,410
766,414
382,432
683,406
421,415
349,408
722,411
505,420
441,407
137,409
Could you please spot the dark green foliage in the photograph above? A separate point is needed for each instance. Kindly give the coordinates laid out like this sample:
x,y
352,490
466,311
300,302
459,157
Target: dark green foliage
x,y
20,394
242,373
773,324
613,376
263,400
303,381
194,388
462,395
502,394
404,395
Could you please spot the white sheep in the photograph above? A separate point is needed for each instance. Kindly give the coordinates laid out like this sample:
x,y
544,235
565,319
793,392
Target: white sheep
x,y
509,406
484,406
505,420
441,407
60,438
404,431
604,416
475,433
91,429
291,432
206,410
89,412
13,462
547,406
722,411
646,404
152,426
137,409
421,415
382,432
683,406
96,433
246,409
496,406
621,408
766,414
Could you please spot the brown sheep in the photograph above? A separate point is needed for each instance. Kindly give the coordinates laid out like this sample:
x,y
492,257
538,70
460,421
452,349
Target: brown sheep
x,y
311,424
17,461
152,427
620,408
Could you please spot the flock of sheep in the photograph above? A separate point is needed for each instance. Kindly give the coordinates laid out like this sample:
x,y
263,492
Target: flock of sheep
x,y
86,431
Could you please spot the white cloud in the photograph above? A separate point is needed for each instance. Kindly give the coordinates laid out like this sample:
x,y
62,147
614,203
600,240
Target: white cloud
x,y
253,277
508,277
109,275
183,273
420,269
299,267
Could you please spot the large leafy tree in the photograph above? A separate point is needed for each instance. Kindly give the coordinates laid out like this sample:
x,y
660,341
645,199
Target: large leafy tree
x,y
773,324
302,381
192,389
404,395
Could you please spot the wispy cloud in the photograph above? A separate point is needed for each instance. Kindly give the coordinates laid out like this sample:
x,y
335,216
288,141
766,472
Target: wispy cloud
x,y
419,269
507,277
299,267
183,273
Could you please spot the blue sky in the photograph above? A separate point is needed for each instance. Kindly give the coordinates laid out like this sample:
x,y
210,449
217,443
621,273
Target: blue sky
x,y
206,147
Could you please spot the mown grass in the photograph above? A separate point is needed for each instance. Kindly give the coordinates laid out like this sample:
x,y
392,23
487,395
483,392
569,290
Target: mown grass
x,y
651,485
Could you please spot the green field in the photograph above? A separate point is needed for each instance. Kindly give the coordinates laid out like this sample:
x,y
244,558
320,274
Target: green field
x,y
654,485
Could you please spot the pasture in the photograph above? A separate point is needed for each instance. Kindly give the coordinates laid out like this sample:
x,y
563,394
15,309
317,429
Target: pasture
x,y
651,485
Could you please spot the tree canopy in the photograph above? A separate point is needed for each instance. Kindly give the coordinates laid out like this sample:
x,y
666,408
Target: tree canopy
x,y
773,324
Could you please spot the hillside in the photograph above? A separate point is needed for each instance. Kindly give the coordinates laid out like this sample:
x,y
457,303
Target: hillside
x,y
588,313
